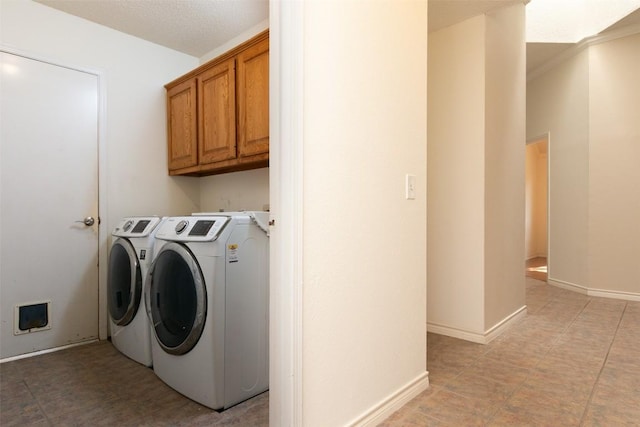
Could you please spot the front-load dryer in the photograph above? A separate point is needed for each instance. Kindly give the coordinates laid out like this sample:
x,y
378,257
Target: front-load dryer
x,y
207,296
129,259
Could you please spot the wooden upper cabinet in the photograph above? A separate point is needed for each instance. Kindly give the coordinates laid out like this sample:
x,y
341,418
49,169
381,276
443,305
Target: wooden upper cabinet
x,y
253,100
181,125
218,114
217,107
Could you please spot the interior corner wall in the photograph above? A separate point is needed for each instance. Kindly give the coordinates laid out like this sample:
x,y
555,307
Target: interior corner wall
x,y
614,173
504,142
558,104
456,169
364,113
237,191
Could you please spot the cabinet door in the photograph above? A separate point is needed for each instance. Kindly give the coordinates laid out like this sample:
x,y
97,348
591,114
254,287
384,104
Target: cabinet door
x,y
182,128
217,108
253,100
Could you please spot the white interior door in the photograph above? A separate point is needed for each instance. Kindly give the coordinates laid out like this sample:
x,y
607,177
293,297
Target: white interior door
x,y
48,182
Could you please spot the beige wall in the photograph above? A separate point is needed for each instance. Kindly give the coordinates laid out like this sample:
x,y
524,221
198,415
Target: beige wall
x,y
455,265
541,204
505,115
476,174
614,165
245,190
364,311
557,103
536,200
590,104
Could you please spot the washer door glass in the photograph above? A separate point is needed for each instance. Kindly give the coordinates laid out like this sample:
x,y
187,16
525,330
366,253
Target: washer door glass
x,y
124,284
176,298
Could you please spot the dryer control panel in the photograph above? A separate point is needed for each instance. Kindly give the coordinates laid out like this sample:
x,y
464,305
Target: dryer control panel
x,y
192,228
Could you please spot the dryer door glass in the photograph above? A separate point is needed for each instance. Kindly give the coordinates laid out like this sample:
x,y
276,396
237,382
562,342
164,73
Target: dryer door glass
x,y
124,282
176,299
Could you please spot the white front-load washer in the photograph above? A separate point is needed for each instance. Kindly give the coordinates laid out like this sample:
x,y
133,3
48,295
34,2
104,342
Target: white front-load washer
x,y
129,259
207,297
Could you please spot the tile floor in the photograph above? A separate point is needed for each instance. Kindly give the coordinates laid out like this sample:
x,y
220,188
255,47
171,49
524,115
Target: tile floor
x,y
94,385
572,361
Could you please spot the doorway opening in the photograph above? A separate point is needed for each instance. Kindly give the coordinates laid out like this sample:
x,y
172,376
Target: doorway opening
x,y
536,208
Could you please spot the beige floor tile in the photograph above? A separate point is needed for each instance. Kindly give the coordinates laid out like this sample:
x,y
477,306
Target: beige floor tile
x,y
449,407
470,385
518,354
544,409
499,371
625,357
606,414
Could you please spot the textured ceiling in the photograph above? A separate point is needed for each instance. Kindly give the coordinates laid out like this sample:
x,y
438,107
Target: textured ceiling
x,y
539,54
570,21
197,27
194,27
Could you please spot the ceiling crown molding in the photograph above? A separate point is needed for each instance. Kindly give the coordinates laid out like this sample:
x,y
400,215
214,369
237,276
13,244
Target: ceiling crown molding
x,y
583,44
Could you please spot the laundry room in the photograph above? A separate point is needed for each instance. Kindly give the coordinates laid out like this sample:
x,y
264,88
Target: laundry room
x,y
99,158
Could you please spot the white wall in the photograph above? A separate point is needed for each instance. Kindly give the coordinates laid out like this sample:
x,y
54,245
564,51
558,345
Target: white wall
x,y
239,39
134,73
614,170
365,68
590,103
476,174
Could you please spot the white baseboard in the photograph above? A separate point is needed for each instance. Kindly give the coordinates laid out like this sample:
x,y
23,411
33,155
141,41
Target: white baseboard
x,y
567,285
391,404
593,292
48,350
480,338
504,324
476,337
604,293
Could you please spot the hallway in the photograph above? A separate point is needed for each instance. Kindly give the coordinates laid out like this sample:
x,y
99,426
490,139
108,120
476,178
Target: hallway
x,y
573,360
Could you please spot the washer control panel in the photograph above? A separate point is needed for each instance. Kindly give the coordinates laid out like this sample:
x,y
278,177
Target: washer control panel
x,y
192,228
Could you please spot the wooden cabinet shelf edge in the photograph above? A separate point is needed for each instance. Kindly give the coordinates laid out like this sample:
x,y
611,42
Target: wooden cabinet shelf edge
x,y
218,114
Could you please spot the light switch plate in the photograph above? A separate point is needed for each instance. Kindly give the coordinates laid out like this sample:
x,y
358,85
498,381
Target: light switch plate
x,y
410,187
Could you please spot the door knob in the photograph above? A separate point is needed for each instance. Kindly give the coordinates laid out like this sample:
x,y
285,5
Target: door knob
x,y
88,221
